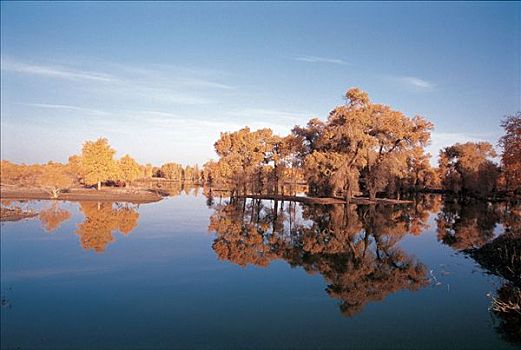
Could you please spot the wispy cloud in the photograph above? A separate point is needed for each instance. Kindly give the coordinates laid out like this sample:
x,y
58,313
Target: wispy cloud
x,y
271,114
162,84
67,108
317,59
206,84
416,82
56,72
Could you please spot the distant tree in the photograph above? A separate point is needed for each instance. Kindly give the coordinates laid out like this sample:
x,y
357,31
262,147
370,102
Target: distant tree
x,y
147,170
467,168
54,178
129,170
74,165
420,174
511,156
171,171
97,162
241,154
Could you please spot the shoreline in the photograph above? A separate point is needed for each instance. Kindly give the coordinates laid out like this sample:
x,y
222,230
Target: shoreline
x,y
136,196
328,200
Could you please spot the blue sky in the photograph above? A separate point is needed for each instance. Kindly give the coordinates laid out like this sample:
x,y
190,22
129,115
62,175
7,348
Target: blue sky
x,y
161,80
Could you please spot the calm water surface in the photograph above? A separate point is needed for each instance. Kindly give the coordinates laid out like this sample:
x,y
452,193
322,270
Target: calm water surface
x,y
187,273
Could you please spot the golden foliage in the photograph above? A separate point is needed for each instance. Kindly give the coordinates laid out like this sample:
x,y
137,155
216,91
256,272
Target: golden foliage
x,y
128,170
97,162
467,168
511,157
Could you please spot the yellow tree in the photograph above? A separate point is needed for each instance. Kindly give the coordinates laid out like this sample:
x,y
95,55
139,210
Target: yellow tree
x,y
511,157
54,178
468,168
74,165
420,174
128,170
147,170
172,171
359,138
241,154
97,162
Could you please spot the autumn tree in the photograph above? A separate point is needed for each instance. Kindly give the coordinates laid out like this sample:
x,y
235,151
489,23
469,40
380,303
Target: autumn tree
x,y
128,170
420,174
54,178
511,156
171,171
147,170
212,174
282,156
467,168
241,154
74,164
359,140
97,162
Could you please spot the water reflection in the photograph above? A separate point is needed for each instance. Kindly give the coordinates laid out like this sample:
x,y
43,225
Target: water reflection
x,y
355,248
101,220
358,251
466,225
469,227
53,216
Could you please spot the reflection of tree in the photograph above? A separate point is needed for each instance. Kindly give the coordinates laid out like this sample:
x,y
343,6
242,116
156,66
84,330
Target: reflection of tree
x,y
101,219
354,248
52,217
507,307
470,228
466,225
243,239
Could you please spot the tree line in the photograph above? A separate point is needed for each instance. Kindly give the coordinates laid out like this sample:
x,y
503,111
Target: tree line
x,y
363,148
93,167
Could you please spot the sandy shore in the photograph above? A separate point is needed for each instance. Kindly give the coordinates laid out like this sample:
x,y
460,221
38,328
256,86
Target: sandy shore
x,y
84,194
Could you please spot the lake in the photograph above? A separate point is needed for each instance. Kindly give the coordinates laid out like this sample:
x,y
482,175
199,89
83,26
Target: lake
x,y
192,272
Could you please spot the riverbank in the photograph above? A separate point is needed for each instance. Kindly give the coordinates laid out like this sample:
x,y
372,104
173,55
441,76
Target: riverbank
x,y
137,196
328,200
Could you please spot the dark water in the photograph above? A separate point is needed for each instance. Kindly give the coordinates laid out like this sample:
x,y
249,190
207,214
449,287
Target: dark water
x,y
182,274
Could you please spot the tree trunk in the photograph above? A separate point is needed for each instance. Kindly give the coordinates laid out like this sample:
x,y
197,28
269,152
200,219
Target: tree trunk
x,y
372,194
99,185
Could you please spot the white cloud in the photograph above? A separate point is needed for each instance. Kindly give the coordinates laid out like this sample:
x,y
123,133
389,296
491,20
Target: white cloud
x,y
67,108
317,59
56,72
162,84
416,82
272,114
